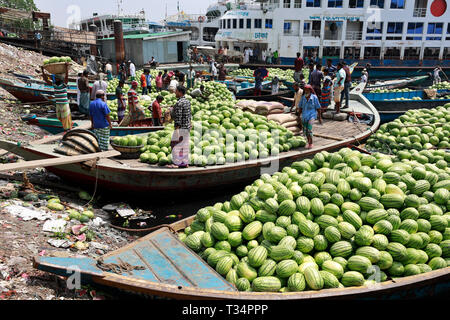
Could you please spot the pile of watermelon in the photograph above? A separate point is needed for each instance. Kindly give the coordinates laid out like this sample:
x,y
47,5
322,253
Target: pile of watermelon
x,y
338,220
223,134
57,60
283,75
416,130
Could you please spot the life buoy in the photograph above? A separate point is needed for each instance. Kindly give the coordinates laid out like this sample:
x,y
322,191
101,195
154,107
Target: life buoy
x,y
201,19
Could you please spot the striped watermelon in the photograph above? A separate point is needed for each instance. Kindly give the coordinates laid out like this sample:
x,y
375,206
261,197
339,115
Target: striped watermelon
x,y
368,204
287,208
352,279
275,234
247,213
266,284
244,270
313,278
257,256
219,231
397,251
383,227
279,253
420,187
341,249
359,263
224,265
332,234
242,284
267,269
364,236
376,215
286,268
305,244
308,228
252,230
334,268
264,216
392,200
385,261
370,253
236,202
296,282
271,206
303,204
329,280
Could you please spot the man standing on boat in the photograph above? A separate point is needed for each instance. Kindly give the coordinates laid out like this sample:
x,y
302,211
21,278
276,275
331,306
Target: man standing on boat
x,y
108,69
99,85
308,109
121,101
436,78
100,120
83,86
132,70
316,78
61,99
181,113
260,74
339,86
299,64
347,84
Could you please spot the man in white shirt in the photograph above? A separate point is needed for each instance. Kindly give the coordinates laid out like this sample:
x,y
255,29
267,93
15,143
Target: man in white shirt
x,y
437,79
173,85
339,86
246,55
132,71
108,69
264,56
99,85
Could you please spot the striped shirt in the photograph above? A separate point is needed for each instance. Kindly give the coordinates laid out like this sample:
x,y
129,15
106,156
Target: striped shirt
x,y
132,97
326,96
61,94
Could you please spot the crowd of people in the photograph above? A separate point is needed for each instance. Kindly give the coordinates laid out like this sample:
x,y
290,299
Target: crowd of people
x,y
313,97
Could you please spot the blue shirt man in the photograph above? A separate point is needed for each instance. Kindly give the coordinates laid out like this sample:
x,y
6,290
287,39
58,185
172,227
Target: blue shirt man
x,y
100,120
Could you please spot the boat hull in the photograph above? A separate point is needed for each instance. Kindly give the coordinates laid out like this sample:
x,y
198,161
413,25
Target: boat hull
x,y
170,269
391,110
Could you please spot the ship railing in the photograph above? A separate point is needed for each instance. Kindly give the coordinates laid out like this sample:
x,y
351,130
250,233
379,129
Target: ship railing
x,y
312,33
291,32
354,35
420,12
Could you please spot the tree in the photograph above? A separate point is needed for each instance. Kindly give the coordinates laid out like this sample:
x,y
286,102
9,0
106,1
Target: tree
x,y
26,5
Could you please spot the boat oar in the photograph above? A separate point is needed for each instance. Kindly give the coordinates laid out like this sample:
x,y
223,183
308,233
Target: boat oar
x,y
444,73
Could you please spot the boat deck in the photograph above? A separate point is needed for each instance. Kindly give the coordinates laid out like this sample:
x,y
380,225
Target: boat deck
x,y
325,134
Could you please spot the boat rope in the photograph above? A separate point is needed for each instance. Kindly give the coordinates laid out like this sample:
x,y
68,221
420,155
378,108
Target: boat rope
x,y
96,184
145,230
120,268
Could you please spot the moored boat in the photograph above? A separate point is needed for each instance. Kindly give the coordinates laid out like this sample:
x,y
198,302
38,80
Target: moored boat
x,y
164,266
395,84
37,92
54,126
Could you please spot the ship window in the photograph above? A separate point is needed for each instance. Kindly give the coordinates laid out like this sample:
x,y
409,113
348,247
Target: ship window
x,y
229,24
378,29
249,23
269,23
307,27
392,53
356,4
241,23
448,32
431,53
412,53
313,3
415,28
286,3
334,3
234,23
435,28
298,4
377,3
258,23
287,28
395,27
397,4
372,53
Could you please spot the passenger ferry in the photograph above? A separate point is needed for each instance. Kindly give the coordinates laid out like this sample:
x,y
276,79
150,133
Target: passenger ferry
x,y
379,32
203,27
131,24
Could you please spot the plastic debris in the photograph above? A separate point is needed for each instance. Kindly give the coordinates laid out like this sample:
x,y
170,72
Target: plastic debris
x,y
28,214
59,243
54,225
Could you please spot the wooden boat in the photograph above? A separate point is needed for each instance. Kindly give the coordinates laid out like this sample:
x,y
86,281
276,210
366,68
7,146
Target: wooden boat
x,y
391,110
395,84
36,92
168,268
136,177
54,126
393,72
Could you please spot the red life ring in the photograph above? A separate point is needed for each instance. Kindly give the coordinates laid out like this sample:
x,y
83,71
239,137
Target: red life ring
x,y
201,19
438,8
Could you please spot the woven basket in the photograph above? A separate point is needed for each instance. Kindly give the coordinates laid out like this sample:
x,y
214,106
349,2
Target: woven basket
x,y
127,152
56,68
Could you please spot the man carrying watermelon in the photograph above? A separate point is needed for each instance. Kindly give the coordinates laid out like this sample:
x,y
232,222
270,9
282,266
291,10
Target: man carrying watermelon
x,y
61,100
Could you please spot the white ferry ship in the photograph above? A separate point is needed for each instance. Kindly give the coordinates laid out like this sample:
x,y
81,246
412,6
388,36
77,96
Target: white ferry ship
x,y
203,27
382,32
131,24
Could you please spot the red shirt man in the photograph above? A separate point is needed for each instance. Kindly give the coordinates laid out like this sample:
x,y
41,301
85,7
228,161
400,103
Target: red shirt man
x,y
299,63
157,112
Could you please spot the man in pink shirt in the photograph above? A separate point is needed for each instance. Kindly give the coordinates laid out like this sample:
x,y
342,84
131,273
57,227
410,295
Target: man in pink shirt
x,y
159,82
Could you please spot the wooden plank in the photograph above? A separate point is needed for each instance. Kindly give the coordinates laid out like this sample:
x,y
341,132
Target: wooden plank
x,y
328,137
57,161
190,264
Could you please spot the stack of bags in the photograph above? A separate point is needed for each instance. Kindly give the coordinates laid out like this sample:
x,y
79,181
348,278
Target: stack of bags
x,y
289,121
261,107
